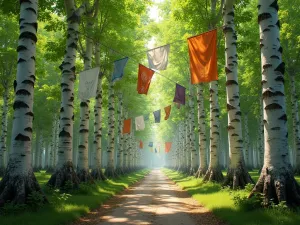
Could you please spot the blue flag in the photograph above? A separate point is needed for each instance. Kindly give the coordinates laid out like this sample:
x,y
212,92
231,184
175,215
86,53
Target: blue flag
x,y
150,144
157,116
119,66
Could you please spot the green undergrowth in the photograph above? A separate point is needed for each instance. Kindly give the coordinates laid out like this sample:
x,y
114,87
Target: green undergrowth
x,y
67,207
221,201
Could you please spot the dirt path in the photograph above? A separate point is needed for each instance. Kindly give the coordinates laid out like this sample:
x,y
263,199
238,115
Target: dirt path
x,y
155,200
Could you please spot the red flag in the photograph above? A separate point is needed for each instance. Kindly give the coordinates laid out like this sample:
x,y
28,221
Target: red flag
x,y
141,145
203,57
144,79
127,126
168,111
168,147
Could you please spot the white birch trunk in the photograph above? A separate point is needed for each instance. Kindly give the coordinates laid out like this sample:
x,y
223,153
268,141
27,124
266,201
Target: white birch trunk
x,y
247,143
237,175
19,180
261,142
214,172
65,170
202,132
193,168
3,137
276,181
120,136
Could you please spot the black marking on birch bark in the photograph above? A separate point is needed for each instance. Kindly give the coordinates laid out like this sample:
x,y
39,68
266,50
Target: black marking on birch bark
x,y
229,127
65,118
64,133
211,90
29,114
28,82
62,109
266,30
273,106
83,131
240,141
23,92
227,70
278,24
231,82
66,90
264,16
72,45
214,146
280,49
66,71
73,117
230,107
29,129
71,99
217,133
280,79
19,105
15,85
227,29
82,146
234,43
21,137
261,46
275,57
275,5
234,135
215,110
21,48
83,104
28,35
235,120
238,113
21,60
268,94
280,68
267,65
32,57
73,18
32,77
275,128
283,117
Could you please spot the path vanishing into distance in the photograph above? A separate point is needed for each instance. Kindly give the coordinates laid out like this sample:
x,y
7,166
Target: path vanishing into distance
x,y
154,200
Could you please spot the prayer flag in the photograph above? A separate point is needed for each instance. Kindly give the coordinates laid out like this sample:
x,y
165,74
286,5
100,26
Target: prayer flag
x,y
139,123
150,144
167,111
168,147
158,57
144,79
157,116
88,81
203,57
119,66
179,94
127,126
141,145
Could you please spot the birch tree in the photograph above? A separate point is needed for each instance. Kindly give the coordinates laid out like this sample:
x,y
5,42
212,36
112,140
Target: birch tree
x,y
19,180
276,181
120,135
237,174
64,169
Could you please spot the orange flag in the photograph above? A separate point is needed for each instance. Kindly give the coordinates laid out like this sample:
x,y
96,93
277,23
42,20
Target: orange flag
x,y
141,145
144,79
168,111
127,126
168,146
203,57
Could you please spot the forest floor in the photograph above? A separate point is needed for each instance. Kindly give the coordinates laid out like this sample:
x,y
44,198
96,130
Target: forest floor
x,y
154,200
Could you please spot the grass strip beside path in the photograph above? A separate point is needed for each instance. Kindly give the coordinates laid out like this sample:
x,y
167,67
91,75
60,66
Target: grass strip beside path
x,y
77,205
220,202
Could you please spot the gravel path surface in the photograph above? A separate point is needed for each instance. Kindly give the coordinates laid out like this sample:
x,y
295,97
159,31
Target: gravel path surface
x,y
154,200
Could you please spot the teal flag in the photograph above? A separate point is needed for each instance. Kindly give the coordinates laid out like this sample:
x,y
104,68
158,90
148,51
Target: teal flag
x,y
119,66
157,116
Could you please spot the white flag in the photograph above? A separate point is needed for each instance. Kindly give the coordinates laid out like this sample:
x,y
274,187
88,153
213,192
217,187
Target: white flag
x,y
88,81
139,123
158,57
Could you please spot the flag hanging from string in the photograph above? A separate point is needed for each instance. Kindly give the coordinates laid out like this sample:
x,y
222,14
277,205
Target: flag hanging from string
x,y
141,145
203,57
167,111
144,79
127,126
157,116
88,81
168,146
139,123
150,144
179,94
119,66
158,57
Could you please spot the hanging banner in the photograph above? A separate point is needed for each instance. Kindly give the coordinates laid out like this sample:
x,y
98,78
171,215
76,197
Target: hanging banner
x,y
144,79
158,57
156,115
168,146
167,111
127,126
139,123
141,145
150,144
88,81
119,66
203,57
179,94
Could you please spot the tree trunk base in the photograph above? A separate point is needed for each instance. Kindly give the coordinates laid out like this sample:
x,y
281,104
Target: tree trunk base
x,y
16,188
119,170
193,171
63,175
110,172
84,176
237,178
200,172
98,174
278,186
213,175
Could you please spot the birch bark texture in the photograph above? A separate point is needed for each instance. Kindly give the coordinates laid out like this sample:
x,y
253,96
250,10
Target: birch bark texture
x,y
65,170
276,181
3,137
19,180
120,135
237,174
